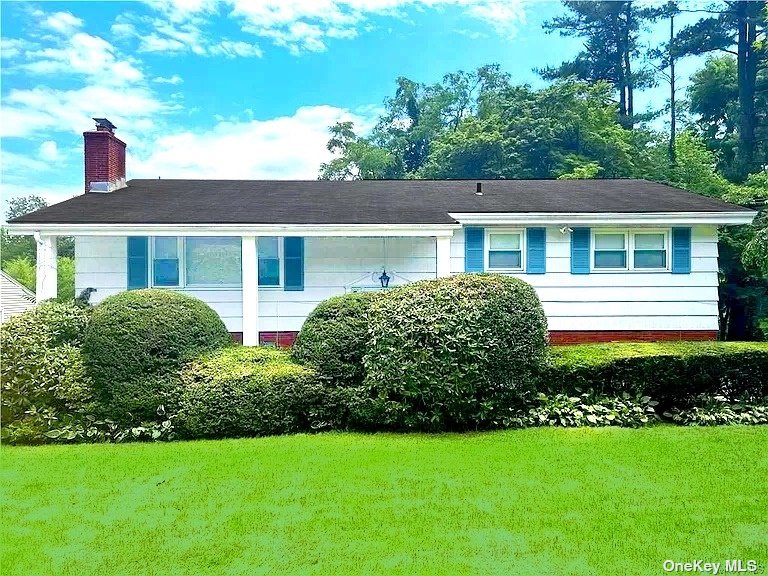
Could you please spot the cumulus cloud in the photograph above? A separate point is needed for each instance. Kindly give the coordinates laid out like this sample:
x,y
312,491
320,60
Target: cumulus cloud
x,y
298,25
63,22
277,148
175,79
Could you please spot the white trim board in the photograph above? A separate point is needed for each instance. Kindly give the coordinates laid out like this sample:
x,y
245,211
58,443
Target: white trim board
x,y
606,218
354,230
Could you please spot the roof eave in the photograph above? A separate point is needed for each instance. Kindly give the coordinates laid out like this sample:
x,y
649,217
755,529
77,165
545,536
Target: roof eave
x,y
604,218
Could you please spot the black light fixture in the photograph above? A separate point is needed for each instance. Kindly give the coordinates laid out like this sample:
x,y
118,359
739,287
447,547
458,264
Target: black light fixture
x,y
384,279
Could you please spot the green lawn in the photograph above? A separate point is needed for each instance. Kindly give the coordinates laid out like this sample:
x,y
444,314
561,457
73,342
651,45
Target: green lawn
x,y
539,501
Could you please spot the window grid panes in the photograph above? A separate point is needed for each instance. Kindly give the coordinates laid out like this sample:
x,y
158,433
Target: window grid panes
x,y
610,251
269,261
650,250
165,261
505,251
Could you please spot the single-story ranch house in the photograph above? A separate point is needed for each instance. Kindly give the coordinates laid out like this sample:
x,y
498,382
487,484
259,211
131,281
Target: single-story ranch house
x,y
610,259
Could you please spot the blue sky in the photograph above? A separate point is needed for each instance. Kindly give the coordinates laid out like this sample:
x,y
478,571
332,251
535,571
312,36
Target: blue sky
x,y
238,88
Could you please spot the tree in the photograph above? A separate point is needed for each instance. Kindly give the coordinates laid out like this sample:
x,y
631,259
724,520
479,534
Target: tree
x,y
610,30
358,158
741,25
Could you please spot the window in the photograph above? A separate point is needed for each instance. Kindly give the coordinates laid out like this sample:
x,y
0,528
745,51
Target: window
x,y
211,261
650,250
269,261
165,261
505,250
643,249
610,250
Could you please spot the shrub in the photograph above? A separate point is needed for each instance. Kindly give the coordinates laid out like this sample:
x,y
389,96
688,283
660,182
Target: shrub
x,y
456,352
243,391
333,338
672,373
712,412
43,377
138,340
587,410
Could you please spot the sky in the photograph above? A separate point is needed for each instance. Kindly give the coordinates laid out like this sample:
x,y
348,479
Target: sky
x,y
240,88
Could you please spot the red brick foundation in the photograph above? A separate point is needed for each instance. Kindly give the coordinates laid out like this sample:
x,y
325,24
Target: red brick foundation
x,y
559,337
556,337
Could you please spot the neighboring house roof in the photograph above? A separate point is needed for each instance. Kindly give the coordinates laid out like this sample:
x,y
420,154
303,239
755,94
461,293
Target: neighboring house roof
x,y
14,298
363,201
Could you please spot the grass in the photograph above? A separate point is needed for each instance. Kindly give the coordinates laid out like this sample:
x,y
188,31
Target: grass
x,y
538,501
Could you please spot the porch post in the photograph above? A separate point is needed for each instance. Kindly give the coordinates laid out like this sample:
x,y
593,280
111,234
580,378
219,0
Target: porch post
x,y
443,256
46,282
250,265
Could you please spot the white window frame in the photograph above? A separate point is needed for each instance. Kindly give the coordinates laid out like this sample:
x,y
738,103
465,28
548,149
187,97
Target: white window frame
x,y
280,264
487,250
629,246
182,256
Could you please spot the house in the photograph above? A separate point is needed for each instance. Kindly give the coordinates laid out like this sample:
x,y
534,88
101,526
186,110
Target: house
x,y
14,298
610,259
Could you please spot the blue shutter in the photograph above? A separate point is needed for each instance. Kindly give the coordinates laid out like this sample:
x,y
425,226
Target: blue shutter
x,y
536,251
293,252
138,265
474,249
681,250
580,250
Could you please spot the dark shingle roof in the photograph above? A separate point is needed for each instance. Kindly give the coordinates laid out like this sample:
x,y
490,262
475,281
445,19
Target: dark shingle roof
x,y
361,202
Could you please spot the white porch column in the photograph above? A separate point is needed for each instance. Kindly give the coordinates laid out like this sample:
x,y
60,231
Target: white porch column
x,y
443,256
250,265
46,282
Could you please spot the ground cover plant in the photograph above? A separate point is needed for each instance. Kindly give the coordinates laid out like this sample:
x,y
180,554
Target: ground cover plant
x,y
576,501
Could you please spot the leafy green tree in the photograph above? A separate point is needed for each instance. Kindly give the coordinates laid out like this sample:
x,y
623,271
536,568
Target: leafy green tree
x,y
357,158
23,271
610,30
738,28
13,247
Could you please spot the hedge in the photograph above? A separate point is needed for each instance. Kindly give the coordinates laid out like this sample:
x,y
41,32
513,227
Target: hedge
x,y
251,391
672,373
137,341
334,336
457,352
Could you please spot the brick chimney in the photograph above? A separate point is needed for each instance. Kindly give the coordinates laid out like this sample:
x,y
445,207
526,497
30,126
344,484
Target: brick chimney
x,y
104,158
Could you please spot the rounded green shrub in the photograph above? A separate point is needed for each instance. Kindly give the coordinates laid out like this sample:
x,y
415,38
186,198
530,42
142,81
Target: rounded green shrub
x,y
333,338
244,391
42,375
455,353
138,340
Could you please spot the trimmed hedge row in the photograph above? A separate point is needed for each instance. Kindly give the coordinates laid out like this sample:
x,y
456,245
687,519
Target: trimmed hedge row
x,y
674,374
242,391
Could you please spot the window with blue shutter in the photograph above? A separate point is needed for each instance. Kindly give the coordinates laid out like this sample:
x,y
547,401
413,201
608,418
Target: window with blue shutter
x,y
165,261
293,252
681,250
580,250
138,262
474,249
536,251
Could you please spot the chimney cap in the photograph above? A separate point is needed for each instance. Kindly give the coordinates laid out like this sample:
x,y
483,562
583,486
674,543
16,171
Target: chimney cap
x,y
103,123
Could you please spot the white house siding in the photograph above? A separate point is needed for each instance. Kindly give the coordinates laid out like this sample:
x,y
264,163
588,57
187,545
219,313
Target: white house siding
x,y
331,266
623,300
14,298
597,301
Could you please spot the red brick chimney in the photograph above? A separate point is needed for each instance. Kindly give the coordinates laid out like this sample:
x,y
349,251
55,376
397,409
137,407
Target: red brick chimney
x,y
104,158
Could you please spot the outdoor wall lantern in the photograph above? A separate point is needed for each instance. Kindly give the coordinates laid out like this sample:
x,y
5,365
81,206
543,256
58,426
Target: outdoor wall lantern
x,y
384,279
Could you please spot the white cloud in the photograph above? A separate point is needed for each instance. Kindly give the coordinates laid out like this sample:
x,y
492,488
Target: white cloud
x,y
28,112
63,22
175,79
49,151
51,193
277,148
298,25
231,49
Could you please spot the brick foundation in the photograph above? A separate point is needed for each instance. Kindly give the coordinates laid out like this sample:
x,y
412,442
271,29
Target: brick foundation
x,y
558,337
282,339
